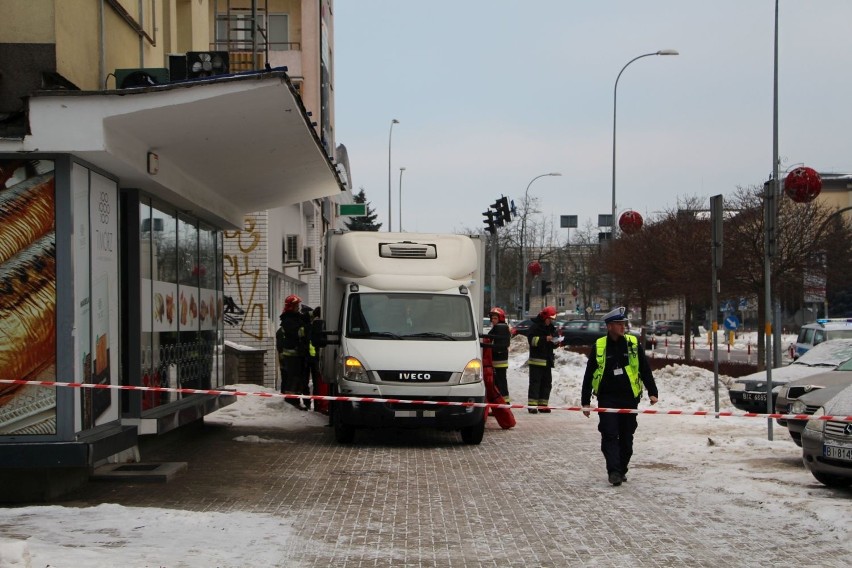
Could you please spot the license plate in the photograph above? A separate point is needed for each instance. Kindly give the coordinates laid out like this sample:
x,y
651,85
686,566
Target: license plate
x,y
756,396
837,452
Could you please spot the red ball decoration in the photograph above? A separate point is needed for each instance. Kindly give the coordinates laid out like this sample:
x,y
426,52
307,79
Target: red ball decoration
x,y
534,268
803,184
630,222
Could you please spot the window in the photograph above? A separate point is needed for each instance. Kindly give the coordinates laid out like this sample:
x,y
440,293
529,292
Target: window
x,y
308,257
292,250
277,32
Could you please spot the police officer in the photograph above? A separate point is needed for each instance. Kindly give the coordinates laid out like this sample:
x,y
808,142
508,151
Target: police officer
x,y
615,373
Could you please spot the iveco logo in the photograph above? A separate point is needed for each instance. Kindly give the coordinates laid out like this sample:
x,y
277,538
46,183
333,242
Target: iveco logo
x,y
415,376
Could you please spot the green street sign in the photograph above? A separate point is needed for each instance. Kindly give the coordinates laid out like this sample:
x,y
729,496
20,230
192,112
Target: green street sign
x,y
353,209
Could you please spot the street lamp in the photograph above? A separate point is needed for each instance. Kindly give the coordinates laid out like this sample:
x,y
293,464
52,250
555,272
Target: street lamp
x,y
402,169
390,211
521,281
614,101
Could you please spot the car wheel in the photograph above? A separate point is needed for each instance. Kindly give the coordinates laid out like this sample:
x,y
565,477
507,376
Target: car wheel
x,y
832,480
343,433
472,435
668,332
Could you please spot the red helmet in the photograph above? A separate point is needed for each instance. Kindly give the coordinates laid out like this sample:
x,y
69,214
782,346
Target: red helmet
x,y
501,315
547,312
291,303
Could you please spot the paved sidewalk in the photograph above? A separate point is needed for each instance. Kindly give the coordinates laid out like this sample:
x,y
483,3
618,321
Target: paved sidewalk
x,y
535,495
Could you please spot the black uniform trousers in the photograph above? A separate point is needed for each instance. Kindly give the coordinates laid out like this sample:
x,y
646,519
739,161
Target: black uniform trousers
x,y
617,433
541,383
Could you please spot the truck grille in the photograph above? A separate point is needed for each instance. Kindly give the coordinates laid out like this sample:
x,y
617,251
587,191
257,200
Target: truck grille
x,y
415,377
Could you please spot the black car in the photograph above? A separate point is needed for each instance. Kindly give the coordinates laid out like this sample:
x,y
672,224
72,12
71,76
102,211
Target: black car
x,y
522,327
668,328
584,332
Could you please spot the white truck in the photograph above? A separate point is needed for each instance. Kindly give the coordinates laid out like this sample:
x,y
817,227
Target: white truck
x,y
401,314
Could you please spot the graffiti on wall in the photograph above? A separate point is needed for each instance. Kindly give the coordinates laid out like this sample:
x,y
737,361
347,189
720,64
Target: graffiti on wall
x,y
243,272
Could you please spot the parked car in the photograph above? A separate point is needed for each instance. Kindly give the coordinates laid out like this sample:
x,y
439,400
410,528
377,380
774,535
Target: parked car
x,y
789,394
584,332
748,393
827,444
813,334
486,325
808,403
522,327
668,327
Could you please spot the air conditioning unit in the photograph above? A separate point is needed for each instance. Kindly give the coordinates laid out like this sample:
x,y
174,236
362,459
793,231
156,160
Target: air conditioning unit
x,y
141,77
206,63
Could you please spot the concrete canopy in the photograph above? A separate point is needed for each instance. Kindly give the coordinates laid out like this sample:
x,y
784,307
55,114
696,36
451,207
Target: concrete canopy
x,y
225,146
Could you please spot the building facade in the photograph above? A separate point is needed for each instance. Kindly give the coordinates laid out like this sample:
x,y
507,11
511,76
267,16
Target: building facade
x,y
139,173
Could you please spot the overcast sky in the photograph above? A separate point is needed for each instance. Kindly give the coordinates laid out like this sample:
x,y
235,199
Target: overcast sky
x,y
491,93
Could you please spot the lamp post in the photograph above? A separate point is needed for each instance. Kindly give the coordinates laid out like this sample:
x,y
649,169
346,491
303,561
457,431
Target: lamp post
x,y
772,192
521,281
402,169
390,210
614,102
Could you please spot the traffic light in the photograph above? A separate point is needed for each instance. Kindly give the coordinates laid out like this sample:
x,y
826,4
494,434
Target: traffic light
x,y
503,211
545,287
489,221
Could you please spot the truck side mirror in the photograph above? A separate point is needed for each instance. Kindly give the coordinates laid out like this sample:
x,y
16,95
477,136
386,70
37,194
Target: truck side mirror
x,y
318,336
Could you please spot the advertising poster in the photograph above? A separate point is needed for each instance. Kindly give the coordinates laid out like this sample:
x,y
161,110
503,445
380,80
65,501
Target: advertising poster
x,y
82,316
28,301
103,305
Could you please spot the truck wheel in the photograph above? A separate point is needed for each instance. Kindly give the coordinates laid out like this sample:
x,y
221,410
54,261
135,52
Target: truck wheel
x,y
472,435
343,433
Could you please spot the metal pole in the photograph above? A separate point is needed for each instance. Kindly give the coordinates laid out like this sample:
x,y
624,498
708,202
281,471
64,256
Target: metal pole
x,y
614,106
390,210
522,281
770,215
400,198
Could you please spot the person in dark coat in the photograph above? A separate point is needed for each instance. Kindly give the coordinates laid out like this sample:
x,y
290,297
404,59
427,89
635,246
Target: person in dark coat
x,y
291,342
500,336
542,338
615,374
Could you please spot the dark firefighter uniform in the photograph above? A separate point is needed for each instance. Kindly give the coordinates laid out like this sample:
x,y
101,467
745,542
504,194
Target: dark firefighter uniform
x,y
541,359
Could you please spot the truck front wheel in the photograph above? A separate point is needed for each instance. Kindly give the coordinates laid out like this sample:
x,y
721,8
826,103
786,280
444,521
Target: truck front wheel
x,y
472,435
342,433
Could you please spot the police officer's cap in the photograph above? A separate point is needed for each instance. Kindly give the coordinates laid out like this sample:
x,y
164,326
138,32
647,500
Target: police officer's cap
x,y
615,315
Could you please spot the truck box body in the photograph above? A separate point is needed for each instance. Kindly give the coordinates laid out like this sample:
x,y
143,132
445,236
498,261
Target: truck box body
x,y
405,308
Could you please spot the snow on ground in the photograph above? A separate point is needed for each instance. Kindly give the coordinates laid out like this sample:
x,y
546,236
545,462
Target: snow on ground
x,y
719,464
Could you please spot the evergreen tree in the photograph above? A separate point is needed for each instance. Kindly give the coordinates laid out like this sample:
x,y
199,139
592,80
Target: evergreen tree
x,y
368,221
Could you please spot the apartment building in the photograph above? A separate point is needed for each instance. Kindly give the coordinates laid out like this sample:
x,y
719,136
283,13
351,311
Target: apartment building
x,y
153,166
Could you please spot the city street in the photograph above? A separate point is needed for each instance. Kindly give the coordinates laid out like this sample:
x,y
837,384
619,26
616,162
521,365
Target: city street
x,y
701,492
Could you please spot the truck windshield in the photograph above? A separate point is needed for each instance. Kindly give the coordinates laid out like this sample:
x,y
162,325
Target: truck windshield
x,y
422,316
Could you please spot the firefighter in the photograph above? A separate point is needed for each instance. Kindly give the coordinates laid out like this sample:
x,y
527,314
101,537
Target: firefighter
x,y
542,338
291,342
500,336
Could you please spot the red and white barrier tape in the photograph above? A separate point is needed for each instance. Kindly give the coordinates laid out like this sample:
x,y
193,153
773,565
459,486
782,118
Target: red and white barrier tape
x,y
429,402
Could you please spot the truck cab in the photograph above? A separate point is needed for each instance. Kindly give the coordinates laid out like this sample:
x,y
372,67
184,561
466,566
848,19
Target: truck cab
x,y
403,313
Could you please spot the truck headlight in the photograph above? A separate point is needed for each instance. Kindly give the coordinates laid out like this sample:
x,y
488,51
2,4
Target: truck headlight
x,y
472,372
798,407
816,425
353,370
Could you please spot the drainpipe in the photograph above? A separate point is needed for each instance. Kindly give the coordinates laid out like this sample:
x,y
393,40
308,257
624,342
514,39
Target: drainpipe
x,y
101,50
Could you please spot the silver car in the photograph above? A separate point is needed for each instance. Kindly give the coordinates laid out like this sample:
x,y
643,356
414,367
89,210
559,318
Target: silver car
x,y
749,392
827,444
790,398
